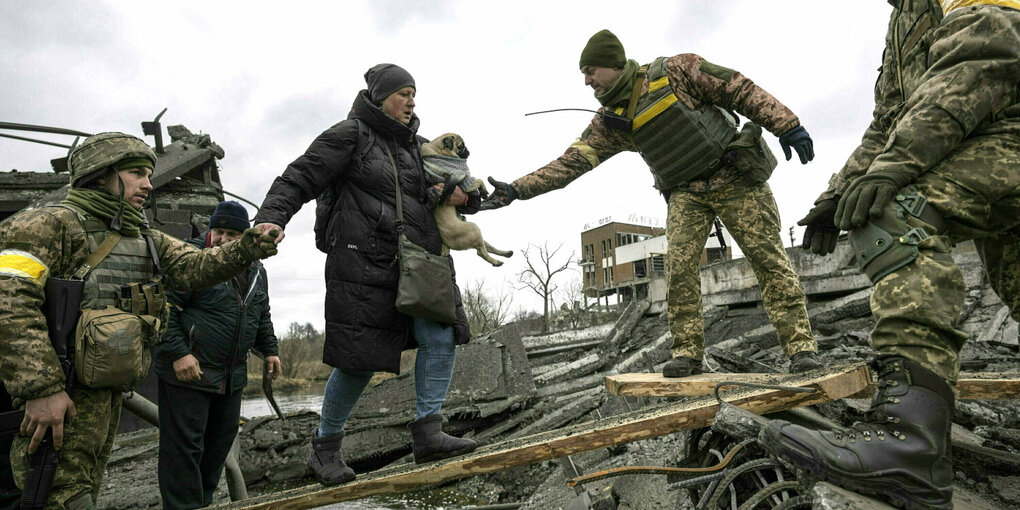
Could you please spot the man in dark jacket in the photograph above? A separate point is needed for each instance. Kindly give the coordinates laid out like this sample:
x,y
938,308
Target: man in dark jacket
x,y
202,369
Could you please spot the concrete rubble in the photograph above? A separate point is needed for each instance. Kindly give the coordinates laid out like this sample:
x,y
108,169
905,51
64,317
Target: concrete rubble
x,y
516,382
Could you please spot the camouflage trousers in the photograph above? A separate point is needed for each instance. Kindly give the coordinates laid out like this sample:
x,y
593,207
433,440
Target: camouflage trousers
x,y
88,439
976,189
752,218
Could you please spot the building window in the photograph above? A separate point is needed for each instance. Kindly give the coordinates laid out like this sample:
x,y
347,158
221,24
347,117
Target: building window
x,y
604,253
610,275
605,275
640,269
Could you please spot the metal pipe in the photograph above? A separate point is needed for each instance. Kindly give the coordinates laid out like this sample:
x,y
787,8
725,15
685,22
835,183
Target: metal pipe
x,y
42,129
26,139
235,479
142,407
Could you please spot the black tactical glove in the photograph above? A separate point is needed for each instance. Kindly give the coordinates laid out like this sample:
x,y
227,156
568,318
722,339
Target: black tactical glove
x,y
254,245
821,233
868,195
800,140
502,195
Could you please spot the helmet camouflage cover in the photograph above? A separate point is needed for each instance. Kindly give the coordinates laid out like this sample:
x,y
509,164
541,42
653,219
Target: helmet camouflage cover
x,y
103,150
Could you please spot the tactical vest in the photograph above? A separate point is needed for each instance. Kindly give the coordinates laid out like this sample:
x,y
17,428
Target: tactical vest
x,y
129,263
678,143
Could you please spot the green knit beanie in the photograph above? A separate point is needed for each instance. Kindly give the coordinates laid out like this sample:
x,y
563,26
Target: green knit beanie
x,y
603,50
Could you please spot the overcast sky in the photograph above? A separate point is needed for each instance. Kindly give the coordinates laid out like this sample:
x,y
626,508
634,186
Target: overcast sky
x,y
264,78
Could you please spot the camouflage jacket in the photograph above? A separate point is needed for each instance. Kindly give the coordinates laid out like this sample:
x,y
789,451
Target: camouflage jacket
x,y
50,241
695,82
904,60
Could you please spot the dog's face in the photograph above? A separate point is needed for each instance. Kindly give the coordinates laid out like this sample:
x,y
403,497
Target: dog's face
x,y
451,144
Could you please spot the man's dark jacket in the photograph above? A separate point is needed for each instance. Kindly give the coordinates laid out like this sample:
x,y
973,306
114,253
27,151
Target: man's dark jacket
x,y
218,325
364,330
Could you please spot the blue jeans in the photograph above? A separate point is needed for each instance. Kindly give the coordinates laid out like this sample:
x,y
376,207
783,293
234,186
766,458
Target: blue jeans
x,y
433,369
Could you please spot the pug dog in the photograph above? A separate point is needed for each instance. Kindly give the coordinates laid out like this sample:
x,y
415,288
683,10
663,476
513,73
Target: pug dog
x,y
445,161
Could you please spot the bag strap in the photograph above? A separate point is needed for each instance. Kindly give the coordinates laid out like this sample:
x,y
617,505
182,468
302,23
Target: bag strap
x,y
94,258
639,83
400,196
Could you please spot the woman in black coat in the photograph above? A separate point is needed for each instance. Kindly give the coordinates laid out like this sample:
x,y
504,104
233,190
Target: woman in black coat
x,y
352,163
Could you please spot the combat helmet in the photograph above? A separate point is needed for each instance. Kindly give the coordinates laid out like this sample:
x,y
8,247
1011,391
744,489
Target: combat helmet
x,y
99,152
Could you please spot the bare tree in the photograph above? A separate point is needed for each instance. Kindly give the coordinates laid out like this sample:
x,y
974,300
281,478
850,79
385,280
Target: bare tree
x,y
542,266
300,346
485,312
575,303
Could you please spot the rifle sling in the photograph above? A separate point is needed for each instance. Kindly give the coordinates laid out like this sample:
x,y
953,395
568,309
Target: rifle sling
x,y
94,258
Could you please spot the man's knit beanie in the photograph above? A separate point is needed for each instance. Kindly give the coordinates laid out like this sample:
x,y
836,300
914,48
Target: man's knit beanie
x,y
603,50
385,79
230,214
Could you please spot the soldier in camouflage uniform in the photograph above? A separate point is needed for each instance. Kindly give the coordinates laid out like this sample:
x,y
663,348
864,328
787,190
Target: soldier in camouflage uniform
x,y
940,164
110,181
678,120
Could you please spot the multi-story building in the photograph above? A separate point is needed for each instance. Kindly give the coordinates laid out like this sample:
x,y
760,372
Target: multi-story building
x,y
625,258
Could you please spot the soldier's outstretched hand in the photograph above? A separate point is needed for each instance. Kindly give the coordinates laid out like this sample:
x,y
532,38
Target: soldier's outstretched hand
x,y
44,413
256,245
799,139
821,233
502,194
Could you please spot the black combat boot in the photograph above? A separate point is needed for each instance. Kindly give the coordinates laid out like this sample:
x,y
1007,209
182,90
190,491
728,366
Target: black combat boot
x,y
327,461
431,443
681,367
803,361
902,449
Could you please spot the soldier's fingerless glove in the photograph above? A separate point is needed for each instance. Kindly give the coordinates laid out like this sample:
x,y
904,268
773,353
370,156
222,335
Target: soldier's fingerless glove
x,y
821,233
799,139
502,195
868,195
255,245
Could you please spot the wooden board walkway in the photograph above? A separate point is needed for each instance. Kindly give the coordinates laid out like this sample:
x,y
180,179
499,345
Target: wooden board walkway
x,y
970,385
684,414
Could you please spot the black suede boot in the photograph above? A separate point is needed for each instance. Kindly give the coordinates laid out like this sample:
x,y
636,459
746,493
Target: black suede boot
x,y
327,461
902,449
681,367
431,443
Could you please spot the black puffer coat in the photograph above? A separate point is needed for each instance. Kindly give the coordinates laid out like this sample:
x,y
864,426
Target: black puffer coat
x,y
364,330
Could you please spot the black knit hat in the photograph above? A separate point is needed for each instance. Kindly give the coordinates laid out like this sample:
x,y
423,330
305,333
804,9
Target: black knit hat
x,y
603,50
230,214
385,79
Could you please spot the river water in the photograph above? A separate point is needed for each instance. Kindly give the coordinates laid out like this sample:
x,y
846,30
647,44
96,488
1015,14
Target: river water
x,y
310,399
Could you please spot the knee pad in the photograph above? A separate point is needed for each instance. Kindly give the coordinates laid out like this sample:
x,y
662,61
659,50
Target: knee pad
x,y
887,243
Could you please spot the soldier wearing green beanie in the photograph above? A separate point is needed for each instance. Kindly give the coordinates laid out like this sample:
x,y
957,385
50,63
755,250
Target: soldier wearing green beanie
x,y
603,49
674,111
102,213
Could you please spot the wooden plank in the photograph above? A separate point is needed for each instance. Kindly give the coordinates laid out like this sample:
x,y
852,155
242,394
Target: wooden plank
x,y
973,386
970,385
684,414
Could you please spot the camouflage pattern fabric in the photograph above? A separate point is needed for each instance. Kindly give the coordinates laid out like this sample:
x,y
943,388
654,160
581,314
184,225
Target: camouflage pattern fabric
x,y
910,35
752,218
965,119
88,440
695,82
50,241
